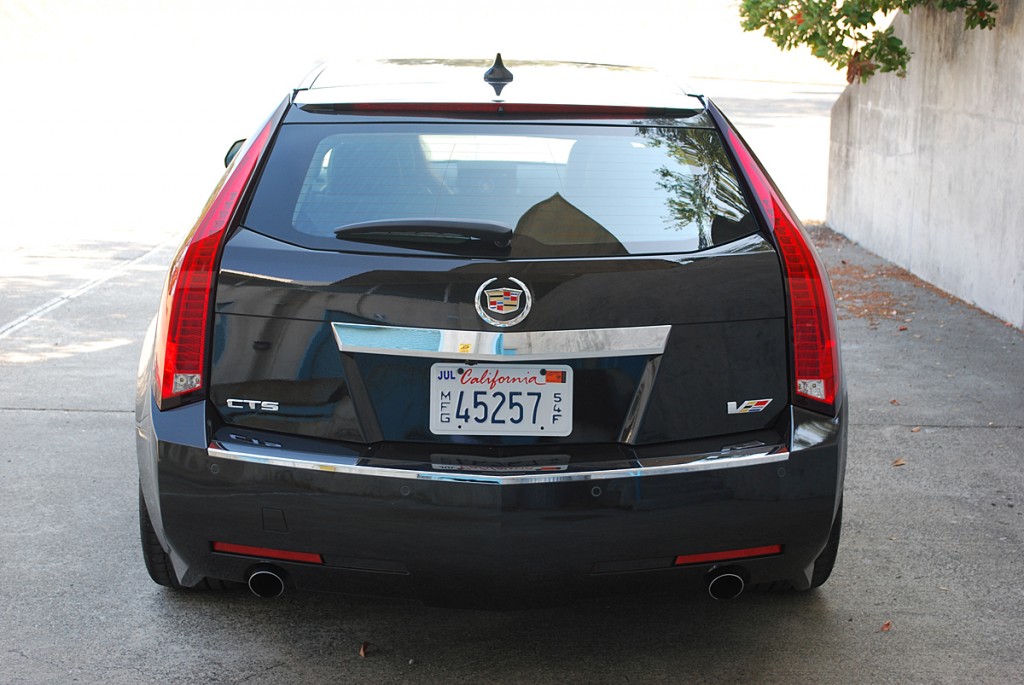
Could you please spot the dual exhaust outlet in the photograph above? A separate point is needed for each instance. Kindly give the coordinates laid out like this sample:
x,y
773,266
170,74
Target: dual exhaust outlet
x,y
726,583
267,581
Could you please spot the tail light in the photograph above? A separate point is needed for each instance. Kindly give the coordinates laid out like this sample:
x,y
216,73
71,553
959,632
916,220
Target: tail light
x,y
183,318
815,337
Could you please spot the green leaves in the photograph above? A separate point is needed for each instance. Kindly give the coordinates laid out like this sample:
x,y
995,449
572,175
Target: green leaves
x,y
846,33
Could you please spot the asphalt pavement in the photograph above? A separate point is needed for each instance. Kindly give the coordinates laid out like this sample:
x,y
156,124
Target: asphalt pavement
x,y
927,586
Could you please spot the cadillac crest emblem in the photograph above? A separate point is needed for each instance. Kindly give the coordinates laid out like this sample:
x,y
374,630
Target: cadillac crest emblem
x,y
503,300
505,305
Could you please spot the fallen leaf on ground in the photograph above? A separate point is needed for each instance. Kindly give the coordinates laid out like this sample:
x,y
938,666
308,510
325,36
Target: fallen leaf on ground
x,y
903,328
899,462
894,403
363,648
886,627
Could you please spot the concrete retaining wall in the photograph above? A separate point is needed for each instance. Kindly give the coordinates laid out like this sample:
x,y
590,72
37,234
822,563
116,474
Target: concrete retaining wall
x,y
928,171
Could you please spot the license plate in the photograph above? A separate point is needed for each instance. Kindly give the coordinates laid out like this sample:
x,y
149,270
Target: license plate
x,y
500,399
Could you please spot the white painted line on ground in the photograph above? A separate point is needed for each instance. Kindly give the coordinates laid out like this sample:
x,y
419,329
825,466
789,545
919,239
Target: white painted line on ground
x,y
27,318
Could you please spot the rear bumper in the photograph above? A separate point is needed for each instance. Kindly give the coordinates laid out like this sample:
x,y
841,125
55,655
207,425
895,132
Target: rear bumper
x,y
491,539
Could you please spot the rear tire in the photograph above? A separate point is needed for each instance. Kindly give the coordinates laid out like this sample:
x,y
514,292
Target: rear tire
x,y
158,562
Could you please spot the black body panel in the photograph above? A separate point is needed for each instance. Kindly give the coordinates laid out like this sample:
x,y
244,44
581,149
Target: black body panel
x,y
265,277
273,339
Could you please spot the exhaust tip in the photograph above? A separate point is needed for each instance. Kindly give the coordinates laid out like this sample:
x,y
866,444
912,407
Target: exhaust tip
x,y
266,582
726,585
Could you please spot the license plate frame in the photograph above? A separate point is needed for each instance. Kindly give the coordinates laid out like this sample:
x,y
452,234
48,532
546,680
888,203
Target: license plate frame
x,y
501,399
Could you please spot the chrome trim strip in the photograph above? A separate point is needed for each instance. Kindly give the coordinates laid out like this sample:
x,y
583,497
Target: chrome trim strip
x,y
641,398
350,465
438,343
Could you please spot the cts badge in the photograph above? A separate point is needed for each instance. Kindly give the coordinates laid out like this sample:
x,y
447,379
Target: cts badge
x,y
252,405
748,407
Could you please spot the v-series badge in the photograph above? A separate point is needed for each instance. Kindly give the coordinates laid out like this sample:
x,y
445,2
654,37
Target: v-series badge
x,y
748,407
253,405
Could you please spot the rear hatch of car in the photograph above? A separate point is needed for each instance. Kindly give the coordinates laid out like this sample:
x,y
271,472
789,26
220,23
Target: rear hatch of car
x,y
519,288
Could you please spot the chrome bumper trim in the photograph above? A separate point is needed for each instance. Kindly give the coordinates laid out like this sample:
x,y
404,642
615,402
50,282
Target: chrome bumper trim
x,y
438,343
350,465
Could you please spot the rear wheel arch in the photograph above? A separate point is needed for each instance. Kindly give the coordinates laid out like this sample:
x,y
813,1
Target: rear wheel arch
x,y
158,561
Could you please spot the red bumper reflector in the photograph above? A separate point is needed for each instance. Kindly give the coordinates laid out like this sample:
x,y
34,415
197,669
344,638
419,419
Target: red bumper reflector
x,y
729,555
267,553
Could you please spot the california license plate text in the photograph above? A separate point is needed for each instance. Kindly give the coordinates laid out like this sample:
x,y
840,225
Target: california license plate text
x,y
500,399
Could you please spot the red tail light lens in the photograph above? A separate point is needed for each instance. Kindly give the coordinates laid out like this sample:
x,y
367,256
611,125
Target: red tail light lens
x,y
183,317
815,332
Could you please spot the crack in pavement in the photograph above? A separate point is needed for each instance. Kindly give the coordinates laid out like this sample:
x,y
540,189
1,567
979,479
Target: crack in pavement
x,y
74,410
33,314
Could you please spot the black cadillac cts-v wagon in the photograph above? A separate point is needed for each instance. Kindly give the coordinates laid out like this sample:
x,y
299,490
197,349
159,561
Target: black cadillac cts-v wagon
x,y
491,334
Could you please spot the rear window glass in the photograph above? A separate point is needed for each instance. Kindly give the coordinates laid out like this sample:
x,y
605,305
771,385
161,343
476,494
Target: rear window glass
x,y
565,190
